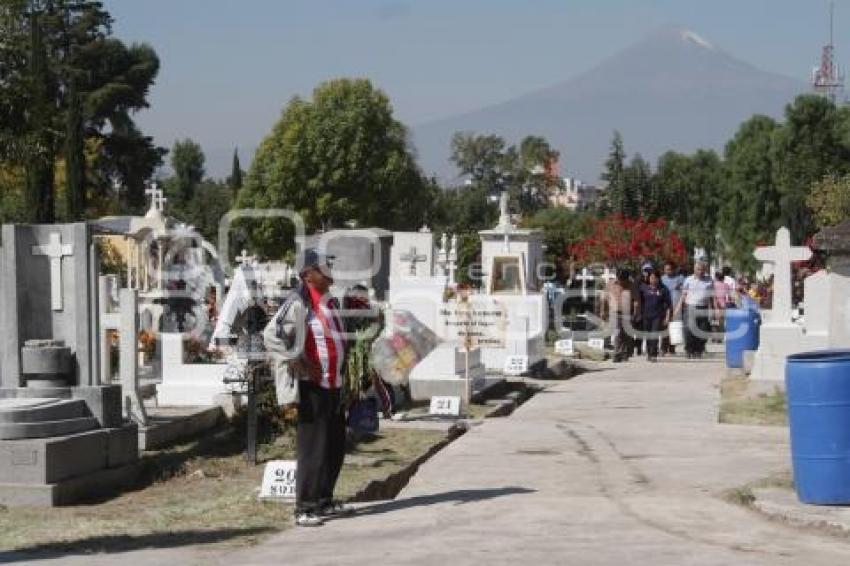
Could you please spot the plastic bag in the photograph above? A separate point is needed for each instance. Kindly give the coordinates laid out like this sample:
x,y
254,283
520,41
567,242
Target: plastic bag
x,y
394,357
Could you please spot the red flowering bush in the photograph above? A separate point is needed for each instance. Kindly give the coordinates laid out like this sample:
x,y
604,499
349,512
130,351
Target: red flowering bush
x,y
617,240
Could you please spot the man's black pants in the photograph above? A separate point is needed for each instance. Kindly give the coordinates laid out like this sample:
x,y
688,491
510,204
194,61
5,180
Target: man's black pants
x,y
320,443
695,319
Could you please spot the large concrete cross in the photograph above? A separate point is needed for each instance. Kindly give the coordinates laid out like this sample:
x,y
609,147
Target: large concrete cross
x,y
782,255
413,258
55,251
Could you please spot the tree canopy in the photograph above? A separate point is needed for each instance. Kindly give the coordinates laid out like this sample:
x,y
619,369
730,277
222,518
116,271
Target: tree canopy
x,y
65,81
336,158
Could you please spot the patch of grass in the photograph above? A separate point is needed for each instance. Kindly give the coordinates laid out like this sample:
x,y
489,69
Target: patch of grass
x,y
381,455
585,352
740,496
476,411
199,492
745,495
739,406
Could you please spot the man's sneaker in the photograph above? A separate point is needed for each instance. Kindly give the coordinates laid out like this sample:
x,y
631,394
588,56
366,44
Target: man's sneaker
x,y
308,520
336,509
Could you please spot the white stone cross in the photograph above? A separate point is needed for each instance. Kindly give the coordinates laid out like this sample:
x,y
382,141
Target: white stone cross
x,y
584,278
55,251
244,259
158,199
412,258
452,260
782,255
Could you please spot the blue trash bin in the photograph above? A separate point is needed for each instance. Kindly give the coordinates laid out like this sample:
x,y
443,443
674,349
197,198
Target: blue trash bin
x,y
742,333
818,390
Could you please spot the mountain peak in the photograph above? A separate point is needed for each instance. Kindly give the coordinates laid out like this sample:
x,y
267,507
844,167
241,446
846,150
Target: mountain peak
x,y
679,34
693,37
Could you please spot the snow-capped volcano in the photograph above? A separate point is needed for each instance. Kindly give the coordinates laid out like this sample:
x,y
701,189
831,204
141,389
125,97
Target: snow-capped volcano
x,y
672,90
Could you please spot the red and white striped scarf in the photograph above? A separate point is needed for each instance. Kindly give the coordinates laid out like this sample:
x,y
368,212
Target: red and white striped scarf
x,y
325,345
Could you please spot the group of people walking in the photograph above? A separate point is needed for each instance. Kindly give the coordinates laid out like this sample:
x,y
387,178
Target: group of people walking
x,y
642,307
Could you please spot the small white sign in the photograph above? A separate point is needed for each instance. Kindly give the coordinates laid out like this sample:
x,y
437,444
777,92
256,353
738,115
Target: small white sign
x,y
279,480
516,365
448,406
596,343
564,347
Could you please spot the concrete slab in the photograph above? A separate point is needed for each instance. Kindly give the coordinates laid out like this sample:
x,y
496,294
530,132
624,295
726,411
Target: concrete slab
x,y
168,425
783,505
89,487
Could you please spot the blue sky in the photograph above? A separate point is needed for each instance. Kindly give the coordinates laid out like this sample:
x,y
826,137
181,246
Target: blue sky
x,y
229,66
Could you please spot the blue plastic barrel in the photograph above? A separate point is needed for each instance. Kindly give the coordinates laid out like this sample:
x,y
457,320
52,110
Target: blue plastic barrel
x,y
818,389
742,334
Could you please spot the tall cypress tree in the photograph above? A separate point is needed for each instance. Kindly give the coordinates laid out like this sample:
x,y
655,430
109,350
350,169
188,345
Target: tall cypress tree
x,y
41,153
236,174
75,159
615,175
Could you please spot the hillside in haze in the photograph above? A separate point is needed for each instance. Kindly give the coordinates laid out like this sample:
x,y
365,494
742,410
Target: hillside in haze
x,y
673,90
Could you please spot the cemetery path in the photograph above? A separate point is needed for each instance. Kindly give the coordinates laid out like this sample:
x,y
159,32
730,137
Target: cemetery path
x,y
620,466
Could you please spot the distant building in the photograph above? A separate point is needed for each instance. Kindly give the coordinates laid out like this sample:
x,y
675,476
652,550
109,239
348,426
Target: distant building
x,y
574,195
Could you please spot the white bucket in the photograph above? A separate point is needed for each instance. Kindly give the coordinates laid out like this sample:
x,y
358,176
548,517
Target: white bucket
x,y
677,333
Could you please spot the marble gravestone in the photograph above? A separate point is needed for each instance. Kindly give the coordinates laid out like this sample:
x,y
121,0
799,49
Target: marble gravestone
x,y
62,435
827,293
779,336
360,257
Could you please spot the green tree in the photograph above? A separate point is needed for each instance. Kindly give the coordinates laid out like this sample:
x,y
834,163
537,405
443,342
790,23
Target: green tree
x,y
339,157
619,196
749,208
808,146
465,209
42,140
482,158
62,76
235,179
526,172
692,190
75,159
561,229
187,162
829,200
640,196
536,175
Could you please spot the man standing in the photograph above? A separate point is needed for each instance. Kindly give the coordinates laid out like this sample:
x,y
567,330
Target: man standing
x,y
308,335
620,313
697,295
673,281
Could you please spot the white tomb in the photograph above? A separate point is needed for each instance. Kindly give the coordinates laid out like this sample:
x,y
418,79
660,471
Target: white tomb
x,y
779,336
510,258
506,238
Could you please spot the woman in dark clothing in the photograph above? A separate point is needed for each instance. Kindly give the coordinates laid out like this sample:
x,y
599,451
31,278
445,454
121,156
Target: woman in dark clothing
x,y
655,307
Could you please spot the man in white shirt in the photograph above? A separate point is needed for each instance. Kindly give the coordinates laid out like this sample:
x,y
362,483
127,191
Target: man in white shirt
x,y
696,300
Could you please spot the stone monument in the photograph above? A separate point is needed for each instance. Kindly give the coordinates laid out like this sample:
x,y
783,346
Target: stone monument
x,y
780,337
62,435
510,260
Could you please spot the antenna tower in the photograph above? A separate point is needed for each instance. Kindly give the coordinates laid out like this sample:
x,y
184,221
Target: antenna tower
x,y
827,79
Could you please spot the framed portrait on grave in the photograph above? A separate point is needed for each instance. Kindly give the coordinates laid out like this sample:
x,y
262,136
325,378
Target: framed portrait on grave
x,y
507,275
